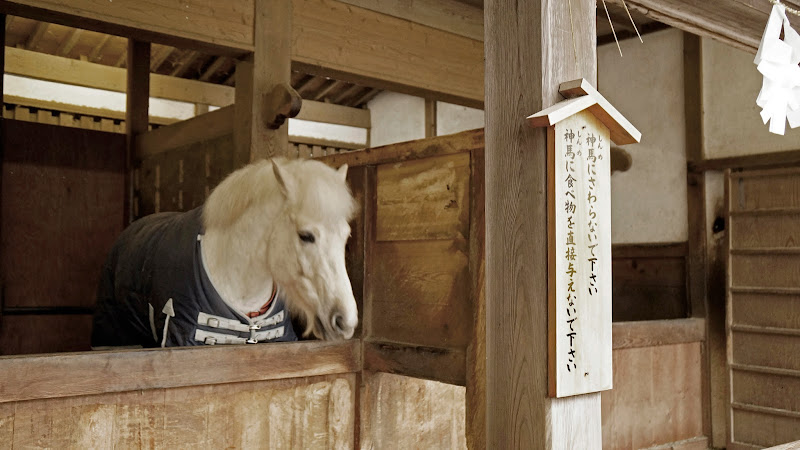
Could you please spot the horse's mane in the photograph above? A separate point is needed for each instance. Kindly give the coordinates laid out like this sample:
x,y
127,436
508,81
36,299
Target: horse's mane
x,y
318,187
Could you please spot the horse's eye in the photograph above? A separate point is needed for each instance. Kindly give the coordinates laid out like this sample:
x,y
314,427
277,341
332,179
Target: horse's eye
x,y
307,236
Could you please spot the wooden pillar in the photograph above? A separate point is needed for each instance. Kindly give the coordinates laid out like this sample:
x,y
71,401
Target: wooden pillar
x,y
531,46
136,111
256,77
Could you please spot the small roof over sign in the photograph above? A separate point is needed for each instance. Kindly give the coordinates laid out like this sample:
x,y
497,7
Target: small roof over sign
x,y
582,95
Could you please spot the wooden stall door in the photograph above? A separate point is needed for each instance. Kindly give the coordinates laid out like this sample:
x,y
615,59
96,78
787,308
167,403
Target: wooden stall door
x,y
62,192
763,323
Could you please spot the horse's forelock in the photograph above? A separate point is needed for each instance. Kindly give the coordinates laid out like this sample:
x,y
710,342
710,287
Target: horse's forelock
x,y
323,192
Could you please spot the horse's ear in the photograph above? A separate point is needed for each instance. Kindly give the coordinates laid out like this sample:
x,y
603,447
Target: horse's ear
x,y
285,181
342,171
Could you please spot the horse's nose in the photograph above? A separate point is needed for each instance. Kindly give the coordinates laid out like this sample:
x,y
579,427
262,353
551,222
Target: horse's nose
x,y
341,327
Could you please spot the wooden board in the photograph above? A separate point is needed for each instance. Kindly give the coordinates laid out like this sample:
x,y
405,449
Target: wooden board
x,y
62,187
777,228
424,199
419,293
748,269
85,374
404,412
656,397
314,413
579,267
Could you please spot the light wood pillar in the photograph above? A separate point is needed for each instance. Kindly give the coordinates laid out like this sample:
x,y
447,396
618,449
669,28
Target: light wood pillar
x,y
256,77
531,46
137,111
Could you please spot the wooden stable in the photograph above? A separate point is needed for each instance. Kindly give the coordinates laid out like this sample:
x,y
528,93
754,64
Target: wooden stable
x,y
448,258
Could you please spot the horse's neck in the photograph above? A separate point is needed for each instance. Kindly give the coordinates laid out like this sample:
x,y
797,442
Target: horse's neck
x,y
236,264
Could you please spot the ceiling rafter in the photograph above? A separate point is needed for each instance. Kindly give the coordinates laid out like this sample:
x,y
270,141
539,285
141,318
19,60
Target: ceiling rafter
x,y
37,35
347,93
98,48
160,56
322,93
184,63
369,95
68,44
213,68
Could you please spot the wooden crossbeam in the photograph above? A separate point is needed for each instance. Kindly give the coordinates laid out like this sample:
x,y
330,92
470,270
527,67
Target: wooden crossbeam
x,y
347,93
69,43
122,58
81,73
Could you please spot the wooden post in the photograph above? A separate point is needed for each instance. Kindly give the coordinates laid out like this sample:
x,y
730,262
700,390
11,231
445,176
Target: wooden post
x,y
430,118
136,111
530,48
269,66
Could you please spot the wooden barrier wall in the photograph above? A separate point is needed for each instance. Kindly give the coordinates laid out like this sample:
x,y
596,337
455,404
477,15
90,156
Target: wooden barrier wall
x,y
763,321
62,188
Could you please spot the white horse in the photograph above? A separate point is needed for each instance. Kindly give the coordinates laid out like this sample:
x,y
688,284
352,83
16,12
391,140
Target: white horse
x,y
273,229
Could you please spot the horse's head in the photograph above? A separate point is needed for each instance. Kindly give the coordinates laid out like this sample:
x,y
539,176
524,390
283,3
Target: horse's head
x,y
307,246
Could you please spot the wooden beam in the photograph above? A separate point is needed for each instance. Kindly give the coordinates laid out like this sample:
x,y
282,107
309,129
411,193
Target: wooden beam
x,y
430,118
81,73
346,93
98,49
758,161
68,44
184,64
226,29
123,57
136,111
530,49
203,127
160,56
438,364
335,114
331,85
453,65
649,333
213,68
739,23
452,16
77,374
369,95
36,36
324,142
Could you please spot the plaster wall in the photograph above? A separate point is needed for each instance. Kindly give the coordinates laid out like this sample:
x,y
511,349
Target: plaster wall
x,y
646,85
732,124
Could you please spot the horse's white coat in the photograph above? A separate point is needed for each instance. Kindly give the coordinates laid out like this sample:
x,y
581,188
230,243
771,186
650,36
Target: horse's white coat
x,y
253,224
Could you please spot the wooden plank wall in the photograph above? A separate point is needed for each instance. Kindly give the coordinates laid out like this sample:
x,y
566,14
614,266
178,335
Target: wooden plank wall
x,y
62,187
314,413
764,307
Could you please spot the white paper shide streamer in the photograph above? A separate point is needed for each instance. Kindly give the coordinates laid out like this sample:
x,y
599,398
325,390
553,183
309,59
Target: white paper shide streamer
x,y
777,60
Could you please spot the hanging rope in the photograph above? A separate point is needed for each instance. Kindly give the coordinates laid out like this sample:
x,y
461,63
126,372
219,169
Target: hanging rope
x,y
788,9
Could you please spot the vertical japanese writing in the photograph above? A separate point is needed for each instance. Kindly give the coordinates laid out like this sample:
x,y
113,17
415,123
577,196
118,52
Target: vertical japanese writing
x,y
571,138
594,145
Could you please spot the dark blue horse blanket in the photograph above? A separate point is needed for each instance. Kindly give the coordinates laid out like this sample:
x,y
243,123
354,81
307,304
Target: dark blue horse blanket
x,y
155,292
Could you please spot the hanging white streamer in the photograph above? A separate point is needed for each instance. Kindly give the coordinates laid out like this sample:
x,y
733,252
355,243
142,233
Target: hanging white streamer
x,y
778,60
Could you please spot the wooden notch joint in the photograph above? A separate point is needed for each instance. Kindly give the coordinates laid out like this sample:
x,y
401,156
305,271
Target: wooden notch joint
x,y
281,103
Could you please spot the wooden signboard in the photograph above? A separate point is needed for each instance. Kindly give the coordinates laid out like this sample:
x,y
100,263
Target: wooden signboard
x,y
579,137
